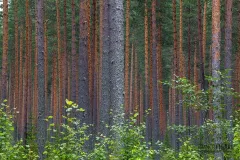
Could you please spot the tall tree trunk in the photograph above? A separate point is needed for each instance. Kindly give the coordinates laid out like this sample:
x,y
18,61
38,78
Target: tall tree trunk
x,y
40,89
216,32
46,68
176,72
21,84
131,82
26,86
228,63
84,55
201,62
5,51
104,67
16,86
162,110
146,98
64,63
74,56
126,77
156,131
116,59
60,66
204,38
35,96
95,68
135,106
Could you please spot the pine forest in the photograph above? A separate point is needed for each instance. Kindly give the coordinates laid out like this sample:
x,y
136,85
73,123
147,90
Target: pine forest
x,y
119,79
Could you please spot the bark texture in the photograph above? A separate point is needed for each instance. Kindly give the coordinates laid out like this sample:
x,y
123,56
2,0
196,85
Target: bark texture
x,y
41,96
216,34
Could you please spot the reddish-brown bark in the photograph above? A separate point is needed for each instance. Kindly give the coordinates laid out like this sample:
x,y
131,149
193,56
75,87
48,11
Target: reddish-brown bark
x,y
126,84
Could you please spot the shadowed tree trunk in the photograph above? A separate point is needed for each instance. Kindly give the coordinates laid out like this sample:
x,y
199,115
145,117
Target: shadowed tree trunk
x,y
5,51
40,89
16,86
175,72
74,56
162,110
131,82
228,63
204,31
201,57
83,63
155,111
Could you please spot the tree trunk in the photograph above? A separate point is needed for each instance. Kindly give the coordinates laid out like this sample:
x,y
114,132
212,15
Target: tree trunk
x,y
116,56
126,77
146,98
5,51
41,96
83,63
74,56
228,64
155,111
216,32
162,110
104,67
131,83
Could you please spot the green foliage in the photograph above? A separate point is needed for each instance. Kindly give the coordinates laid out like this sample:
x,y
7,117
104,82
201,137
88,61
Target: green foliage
x,y
9,150
67,140
131,144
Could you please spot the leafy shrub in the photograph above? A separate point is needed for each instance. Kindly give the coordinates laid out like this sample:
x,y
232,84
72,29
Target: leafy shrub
x,y
9,150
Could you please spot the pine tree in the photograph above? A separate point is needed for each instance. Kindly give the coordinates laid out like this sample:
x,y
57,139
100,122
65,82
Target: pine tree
x,y
228,63
40,89
216,32
126,66
5,51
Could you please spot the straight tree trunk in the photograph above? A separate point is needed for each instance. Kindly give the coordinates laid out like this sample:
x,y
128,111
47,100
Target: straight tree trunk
x,y
131,83
46,68
35,96
5,51
16,45
104,67
64,64
155,111
60,66
74,56
216,34
146,68
162,110
41,96
84,62
201,56
126,77
116,56
135,107
204,31
228,64
20,84
176,72
26,93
